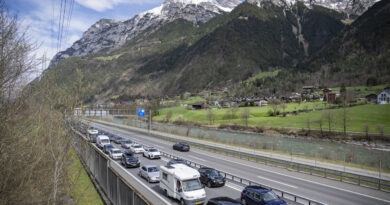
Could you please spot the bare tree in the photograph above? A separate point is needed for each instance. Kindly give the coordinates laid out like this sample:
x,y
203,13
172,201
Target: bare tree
x,y
275,105
328,116
168,116
245,114
210,116
283,106
366,129
380,129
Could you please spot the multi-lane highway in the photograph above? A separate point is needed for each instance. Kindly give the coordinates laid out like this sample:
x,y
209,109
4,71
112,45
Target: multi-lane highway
x,y
316,188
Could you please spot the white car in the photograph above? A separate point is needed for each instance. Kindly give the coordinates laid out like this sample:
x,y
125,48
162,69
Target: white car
x,y
152,153
136,148
115,153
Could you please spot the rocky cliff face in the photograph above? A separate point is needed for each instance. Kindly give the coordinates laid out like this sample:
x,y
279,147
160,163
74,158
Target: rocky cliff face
x,y
349,7
107,34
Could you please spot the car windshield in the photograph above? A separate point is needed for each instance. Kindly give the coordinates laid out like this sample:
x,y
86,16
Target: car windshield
x,y
213,173
192,185
116,151
269,196
153,150
109,146
137,146
152,169
128,142
184,144
105,141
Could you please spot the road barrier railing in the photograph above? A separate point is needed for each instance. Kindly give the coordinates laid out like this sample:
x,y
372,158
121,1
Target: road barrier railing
x,y
119,187
348,177
246,182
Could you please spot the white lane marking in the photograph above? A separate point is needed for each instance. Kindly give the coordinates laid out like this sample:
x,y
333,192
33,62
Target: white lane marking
x,y
164,159
235,187
158,146
329,186
278,182
197,158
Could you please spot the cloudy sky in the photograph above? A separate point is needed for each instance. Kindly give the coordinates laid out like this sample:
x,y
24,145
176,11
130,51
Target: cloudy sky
x,y
42,18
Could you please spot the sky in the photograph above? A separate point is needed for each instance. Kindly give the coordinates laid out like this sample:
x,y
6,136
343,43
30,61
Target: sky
x,y
41,17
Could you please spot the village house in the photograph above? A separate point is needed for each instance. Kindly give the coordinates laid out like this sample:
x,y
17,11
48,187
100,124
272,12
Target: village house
x,y
384,96
200,105
371,97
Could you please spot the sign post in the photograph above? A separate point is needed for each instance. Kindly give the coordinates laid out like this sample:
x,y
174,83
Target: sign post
x,y
141,113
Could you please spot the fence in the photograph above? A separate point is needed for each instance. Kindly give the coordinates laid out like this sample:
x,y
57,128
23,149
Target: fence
x,y
118,185
360,180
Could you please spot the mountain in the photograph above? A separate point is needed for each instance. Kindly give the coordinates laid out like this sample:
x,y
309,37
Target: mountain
x,y
229,48
107,34
352,8
360,54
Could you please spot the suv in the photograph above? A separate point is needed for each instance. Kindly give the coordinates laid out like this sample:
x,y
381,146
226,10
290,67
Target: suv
x,y
181,146
151,153
107,148
223,201
126,143
129,159
211,177
118,140
252,195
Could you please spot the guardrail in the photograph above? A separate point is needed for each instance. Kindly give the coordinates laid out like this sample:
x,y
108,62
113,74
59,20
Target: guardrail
x,y
348,177
112,178
247,182
242,181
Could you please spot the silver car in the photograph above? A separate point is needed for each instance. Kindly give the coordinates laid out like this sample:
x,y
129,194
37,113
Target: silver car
x,y
150,172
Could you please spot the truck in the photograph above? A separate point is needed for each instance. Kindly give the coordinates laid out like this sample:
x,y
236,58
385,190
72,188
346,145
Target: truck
x,y
182,182
92,134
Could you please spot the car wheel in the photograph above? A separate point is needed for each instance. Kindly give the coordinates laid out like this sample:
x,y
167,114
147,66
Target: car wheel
x,y
243,202
182,202
209,184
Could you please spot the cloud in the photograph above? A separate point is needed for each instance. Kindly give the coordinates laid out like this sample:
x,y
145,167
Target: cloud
x,y
103,5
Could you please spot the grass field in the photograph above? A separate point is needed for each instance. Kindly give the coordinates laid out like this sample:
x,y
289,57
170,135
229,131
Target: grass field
x,y
82,189
357,116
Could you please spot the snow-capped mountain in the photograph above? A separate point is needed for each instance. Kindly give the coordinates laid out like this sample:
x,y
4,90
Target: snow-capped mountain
x,y
107,34
350,7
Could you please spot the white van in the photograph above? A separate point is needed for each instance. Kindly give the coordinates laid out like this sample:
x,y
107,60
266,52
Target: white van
x,y
102,140
182,182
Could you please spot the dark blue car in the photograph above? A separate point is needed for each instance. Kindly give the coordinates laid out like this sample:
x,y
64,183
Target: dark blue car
x,y
255,195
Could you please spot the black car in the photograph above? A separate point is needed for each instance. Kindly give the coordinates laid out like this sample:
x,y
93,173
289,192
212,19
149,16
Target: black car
x,y
223,201
177,161
129,159
107,147
181,146
101,132
253,195
211,177
111,137
118,140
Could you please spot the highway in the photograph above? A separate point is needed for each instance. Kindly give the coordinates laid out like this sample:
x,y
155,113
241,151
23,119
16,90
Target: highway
x,y
316,188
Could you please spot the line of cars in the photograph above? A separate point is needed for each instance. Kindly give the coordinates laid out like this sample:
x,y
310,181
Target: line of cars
x,y
177,178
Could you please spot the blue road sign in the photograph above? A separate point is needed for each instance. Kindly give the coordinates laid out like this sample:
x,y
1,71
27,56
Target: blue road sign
x,y
141,112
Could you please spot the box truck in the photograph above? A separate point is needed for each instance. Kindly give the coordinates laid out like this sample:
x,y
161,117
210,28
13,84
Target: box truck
x,y
182,182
